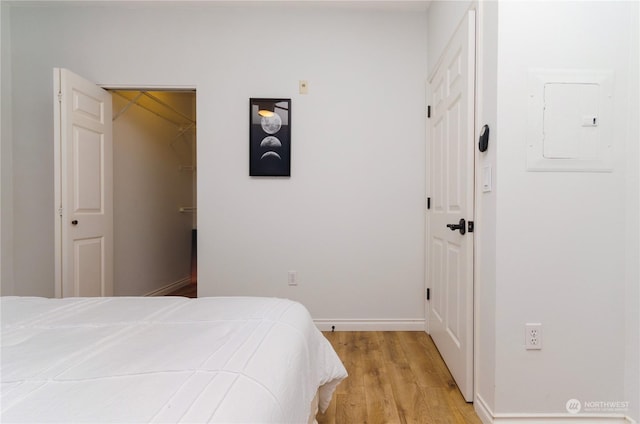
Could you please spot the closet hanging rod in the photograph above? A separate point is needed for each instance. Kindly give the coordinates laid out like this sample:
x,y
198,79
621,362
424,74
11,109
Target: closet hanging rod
x,y
187,209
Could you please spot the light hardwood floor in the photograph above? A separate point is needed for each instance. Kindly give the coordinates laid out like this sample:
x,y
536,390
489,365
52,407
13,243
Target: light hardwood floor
x,y
394,377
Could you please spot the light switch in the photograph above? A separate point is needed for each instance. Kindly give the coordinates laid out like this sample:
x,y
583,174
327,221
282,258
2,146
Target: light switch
x,y
486,178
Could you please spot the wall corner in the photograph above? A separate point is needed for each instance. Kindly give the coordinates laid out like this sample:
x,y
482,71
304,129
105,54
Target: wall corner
x,y
6,156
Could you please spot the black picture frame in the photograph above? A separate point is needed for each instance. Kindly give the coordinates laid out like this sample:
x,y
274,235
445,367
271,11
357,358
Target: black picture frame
x,y
269,137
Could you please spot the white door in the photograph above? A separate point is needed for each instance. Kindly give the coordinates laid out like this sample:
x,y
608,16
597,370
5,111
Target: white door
x,y
83,187
451,176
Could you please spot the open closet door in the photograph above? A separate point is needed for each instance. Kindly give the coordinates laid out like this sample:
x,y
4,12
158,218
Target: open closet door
x,y
83,156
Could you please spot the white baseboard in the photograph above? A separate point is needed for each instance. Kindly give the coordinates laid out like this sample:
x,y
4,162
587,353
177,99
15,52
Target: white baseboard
x,y
370,324
482,409
489,417
163,291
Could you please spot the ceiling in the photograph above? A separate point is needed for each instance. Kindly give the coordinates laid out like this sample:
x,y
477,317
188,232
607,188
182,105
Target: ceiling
x,y
400,5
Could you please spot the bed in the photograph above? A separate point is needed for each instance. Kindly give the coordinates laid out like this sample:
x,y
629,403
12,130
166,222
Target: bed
x,y
163,360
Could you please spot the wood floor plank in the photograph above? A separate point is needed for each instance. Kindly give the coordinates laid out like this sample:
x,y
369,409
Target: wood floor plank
x,y
440,410
394,378
351,408
422,365
354,363
410,400
381,403
440,368
460,408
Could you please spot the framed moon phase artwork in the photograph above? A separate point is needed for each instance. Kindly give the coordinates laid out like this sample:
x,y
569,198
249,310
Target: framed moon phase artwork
x,y
270,137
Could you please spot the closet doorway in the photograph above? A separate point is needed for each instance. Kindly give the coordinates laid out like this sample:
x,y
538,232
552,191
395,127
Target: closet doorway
x,y
154,192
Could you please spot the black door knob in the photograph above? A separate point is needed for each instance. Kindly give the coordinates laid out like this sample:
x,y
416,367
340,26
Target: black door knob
x,y
461,226
74,222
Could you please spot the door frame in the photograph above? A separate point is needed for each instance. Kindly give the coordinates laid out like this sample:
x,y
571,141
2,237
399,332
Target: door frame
x,y
58,168
480,120
57,185
477,218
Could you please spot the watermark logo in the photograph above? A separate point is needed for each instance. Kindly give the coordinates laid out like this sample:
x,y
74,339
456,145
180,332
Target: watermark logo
x,y
606,406
573,406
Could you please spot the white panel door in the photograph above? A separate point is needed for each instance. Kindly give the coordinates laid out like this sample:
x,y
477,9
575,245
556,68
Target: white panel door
x,y
83,187
451,176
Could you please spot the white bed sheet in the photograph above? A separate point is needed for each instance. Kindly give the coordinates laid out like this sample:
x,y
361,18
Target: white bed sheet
x,y
162,359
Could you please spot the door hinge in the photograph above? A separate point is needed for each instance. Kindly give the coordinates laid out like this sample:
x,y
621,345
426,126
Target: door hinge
x,y
470,226
428,202
428,111
59,96
428,294
59,211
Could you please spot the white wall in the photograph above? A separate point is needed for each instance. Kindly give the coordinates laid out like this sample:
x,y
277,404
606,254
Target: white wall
x,y
152,239
632,340
6,168
560,236
349,220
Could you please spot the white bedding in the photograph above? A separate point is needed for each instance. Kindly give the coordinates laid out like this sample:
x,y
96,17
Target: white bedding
x,y
162,359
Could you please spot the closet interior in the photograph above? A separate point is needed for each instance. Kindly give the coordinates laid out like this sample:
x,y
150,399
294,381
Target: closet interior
x,y
155,191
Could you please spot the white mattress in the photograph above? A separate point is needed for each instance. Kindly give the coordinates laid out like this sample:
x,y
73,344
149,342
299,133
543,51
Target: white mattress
x,y
162,359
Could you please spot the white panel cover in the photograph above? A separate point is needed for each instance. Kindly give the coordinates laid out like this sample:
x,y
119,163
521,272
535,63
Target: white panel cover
x,y
570,120
162,359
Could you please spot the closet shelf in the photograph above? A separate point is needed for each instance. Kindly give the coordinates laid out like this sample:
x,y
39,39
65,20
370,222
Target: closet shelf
x,y
151,102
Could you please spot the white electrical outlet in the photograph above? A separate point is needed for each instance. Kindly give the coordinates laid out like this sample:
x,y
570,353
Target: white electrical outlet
x,y
293,278
533,336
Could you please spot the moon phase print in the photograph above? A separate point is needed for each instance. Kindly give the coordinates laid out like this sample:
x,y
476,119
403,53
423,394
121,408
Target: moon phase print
x,y
269,137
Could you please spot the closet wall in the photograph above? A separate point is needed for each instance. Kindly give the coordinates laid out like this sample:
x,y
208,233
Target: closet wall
x,y
153,179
